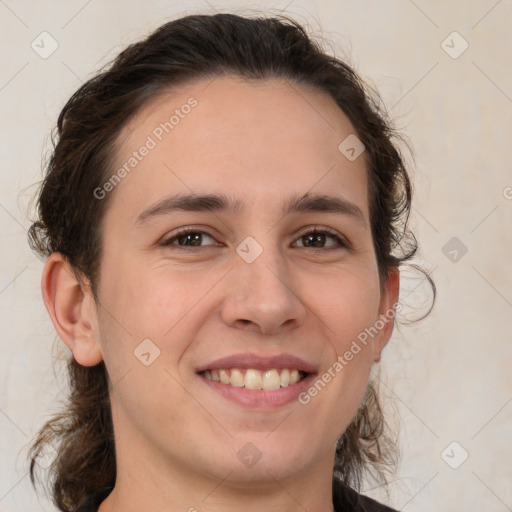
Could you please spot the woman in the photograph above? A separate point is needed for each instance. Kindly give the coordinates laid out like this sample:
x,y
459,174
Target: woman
x,y
220,216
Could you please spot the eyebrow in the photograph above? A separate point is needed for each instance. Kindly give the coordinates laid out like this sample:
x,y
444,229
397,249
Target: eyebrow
x,y
224,203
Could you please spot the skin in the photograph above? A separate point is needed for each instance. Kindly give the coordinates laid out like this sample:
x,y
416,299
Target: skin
x,y
176,439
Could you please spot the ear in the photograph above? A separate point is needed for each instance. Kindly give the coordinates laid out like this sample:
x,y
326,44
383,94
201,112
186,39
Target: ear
x,y
72,310
387,312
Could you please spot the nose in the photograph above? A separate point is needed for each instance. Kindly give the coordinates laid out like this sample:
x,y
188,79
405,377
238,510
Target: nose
x,y
262,297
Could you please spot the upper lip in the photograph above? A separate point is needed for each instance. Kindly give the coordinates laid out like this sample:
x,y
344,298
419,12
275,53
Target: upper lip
x,y
258,362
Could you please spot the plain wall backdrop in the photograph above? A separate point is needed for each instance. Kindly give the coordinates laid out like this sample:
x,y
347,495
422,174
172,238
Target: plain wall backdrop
x,y
443,70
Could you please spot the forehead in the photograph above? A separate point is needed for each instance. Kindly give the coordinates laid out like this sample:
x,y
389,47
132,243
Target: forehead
x,y
258,137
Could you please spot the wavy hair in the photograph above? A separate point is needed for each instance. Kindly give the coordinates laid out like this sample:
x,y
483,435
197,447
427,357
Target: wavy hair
x,y
69,220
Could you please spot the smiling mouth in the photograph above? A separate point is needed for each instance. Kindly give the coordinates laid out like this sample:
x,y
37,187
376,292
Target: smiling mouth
x,y
251,378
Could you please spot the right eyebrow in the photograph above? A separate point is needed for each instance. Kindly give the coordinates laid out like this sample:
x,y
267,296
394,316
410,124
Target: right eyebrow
x,y
302,203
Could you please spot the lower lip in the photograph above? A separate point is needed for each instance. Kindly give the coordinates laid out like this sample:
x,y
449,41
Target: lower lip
x,y
260,398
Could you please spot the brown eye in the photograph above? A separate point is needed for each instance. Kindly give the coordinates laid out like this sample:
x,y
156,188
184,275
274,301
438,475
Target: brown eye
x,y
317,239
187,238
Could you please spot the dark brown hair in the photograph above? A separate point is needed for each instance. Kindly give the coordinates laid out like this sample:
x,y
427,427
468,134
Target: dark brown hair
x,y
70,216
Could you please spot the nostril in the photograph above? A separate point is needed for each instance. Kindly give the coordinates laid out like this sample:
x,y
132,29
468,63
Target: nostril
x,y
242,322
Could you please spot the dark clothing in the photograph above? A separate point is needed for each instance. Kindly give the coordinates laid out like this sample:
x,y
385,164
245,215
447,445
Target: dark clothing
x,y
344,499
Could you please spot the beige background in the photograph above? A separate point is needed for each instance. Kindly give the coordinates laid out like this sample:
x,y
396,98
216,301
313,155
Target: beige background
x,y
448,377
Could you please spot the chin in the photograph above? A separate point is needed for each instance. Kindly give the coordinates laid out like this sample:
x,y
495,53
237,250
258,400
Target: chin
x,y
262,475
265,458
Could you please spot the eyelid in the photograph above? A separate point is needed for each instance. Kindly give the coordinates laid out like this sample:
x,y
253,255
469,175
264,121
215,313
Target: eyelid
x,y
341,239
166,240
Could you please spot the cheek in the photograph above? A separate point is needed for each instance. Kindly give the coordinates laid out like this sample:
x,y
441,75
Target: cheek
x,y
145,327
348,304
354,344
348,308
162,304
149,301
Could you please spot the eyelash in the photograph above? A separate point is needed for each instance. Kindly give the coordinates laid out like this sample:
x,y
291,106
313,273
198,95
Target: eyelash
x,y
315,230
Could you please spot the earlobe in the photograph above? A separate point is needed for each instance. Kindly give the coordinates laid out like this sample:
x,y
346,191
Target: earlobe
x,y
387,312
72,310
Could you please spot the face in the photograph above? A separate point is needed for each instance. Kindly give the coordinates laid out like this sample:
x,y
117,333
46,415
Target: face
x,y
276,279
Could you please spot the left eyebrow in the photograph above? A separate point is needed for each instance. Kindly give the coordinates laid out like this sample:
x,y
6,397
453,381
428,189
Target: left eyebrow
x,y
223,203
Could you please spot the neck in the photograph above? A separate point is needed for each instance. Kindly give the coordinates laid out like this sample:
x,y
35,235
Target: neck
x,y
145,481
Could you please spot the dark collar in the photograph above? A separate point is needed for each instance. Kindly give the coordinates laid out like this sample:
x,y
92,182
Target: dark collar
x,y
346,499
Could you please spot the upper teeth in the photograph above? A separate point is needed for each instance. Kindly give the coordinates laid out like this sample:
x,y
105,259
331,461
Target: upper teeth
x,y
255,379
